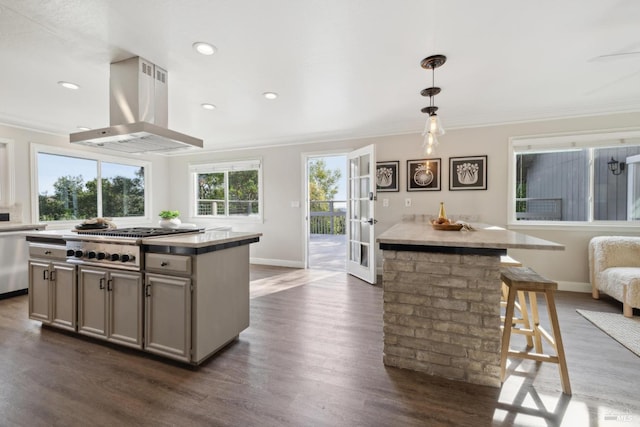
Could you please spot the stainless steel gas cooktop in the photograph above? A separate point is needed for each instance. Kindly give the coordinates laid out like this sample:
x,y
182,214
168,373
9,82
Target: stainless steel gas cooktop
x,y
138,232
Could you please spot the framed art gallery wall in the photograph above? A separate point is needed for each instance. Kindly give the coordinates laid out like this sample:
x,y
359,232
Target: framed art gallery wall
x,y
423,175
387,178
468,173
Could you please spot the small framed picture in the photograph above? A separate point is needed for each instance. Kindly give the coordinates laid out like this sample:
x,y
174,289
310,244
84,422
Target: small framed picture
x,y
423,175
468,173
387,176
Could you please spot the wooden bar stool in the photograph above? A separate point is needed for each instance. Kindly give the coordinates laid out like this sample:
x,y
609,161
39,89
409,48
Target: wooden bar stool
x,y
525,279
522,315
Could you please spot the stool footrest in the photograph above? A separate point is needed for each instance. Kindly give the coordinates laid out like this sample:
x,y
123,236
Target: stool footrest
x,y
533,356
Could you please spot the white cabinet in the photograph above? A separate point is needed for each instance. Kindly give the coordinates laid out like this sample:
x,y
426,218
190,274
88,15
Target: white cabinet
x,y
52,291
168,316
110,305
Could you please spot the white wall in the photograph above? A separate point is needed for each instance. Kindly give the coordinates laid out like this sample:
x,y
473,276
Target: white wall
x,y
282,241
22,139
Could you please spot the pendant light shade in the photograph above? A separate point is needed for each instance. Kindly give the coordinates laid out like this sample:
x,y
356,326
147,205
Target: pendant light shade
x,y
429,143
435,127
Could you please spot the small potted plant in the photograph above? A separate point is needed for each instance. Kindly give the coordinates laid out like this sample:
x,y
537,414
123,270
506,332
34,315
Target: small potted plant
x,y
169,219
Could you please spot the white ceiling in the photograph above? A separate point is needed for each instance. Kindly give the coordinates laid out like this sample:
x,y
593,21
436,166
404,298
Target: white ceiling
x,y
343,68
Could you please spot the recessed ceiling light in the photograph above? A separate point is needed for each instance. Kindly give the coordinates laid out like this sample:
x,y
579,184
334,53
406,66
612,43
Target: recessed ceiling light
x,y
208,106
83,128
69,85
270,95
204,48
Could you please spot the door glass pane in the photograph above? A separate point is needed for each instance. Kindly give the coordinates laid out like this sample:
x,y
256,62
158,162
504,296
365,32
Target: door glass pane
x,y
355,170
364,187
122,190
364,255
364,231
365,165
355,231
355,252
364,209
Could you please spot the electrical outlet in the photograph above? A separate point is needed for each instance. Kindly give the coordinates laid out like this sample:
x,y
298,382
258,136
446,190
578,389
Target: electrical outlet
x,y
407,203
385,203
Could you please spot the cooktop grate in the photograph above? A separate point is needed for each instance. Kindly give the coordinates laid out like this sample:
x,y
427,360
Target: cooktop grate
x,y
139,232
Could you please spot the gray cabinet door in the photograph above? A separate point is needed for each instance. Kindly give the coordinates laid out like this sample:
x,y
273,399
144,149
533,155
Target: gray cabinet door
x,y
39,297
124,290
63,295
92,302
168,316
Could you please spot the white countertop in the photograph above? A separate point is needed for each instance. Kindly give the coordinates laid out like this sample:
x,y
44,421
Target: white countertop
x,y
200,240
484,236
8,226
190,240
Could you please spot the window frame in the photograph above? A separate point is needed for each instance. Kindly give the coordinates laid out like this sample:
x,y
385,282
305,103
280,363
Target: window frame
x,y
564,142
99,158
8,173
226,166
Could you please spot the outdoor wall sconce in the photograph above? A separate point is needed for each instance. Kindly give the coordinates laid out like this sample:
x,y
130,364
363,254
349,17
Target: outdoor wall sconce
x,y
615,166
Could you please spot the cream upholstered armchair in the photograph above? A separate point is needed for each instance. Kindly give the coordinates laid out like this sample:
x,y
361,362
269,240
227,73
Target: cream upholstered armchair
x,y
614,268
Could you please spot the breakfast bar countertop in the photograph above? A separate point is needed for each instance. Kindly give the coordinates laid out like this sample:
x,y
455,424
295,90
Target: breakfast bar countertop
x,y
482,236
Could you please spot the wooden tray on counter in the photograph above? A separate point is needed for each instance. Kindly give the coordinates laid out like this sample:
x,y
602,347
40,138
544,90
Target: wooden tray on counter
x,y
447,227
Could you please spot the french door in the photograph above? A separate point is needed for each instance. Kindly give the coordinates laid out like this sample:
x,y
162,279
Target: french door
x,y
361,195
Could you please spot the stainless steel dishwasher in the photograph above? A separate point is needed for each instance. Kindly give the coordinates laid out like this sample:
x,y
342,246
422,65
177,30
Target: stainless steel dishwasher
x,y
14,257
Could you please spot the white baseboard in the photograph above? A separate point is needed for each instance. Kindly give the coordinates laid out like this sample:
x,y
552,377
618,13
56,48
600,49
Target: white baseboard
x,y
574,287
276,262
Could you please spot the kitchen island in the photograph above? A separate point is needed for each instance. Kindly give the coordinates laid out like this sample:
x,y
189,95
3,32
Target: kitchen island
x,y
442,298
180,296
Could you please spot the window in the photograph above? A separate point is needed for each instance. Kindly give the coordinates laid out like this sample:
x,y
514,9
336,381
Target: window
x,y
7,172
228,190
570,178
72,188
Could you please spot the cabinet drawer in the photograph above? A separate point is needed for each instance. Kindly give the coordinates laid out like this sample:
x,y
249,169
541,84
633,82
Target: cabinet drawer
x,y
168,263
37,250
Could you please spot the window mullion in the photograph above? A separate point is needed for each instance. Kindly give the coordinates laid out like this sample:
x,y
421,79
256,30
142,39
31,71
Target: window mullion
x,y
99,188
592,173
226,193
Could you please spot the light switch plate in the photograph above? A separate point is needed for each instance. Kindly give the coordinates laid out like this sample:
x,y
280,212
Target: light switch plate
x,y
295,204
385,203
407,203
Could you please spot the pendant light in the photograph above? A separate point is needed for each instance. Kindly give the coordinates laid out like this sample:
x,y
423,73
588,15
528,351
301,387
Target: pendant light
x,y
433,127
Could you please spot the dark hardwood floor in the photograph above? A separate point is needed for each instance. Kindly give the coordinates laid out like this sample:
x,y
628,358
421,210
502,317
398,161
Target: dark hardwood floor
x,y
312,357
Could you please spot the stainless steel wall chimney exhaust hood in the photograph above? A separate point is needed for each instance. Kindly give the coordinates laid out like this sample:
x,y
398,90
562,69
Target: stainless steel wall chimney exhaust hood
x,y
138,113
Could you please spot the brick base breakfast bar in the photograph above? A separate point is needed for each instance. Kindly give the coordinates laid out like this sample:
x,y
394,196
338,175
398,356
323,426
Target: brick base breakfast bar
x,y
442,298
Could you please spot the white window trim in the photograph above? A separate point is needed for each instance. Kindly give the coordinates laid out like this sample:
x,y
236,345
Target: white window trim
x,y
49,149
564,142
222,166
